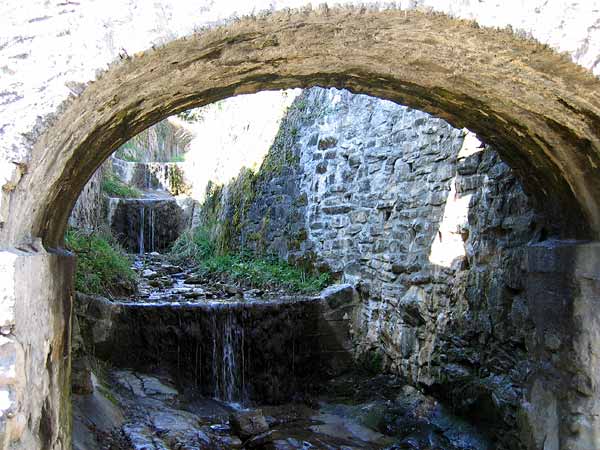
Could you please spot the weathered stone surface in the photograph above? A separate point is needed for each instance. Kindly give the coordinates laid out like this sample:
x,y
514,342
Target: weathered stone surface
x,y
35,355
558,160
247,424
338,295
438,261
146,225
265,351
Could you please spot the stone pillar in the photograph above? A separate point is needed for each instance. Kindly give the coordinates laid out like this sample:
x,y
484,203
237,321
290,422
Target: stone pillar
x,y
563,291
36,290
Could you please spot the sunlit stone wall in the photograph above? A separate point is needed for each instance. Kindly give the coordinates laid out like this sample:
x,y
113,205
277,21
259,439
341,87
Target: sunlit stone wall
x,y
427,222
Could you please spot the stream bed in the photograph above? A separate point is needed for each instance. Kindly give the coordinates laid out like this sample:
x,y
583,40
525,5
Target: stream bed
x,y
191,364
350,412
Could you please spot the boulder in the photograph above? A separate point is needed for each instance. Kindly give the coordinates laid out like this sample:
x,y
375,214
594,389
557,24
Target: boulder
x,y
247,424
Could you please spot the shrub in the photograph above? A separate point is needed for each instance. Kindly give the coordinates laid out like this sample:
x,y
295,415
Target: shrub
x,y
102,265
114,187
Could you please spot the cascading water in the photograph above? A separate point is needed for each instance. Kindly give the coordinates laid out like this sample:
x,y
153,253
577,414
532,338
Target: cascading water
x,y
226,368
141,230
152,235
228,333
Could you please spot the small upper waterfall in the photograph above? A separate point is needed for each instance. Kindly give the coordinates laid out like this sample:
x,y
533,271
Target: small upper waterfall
x,y
154,219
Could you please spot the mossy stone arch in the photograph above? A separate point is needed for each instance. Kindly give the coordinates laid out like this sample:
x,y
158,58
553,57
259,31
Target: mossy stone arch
x,y
538,109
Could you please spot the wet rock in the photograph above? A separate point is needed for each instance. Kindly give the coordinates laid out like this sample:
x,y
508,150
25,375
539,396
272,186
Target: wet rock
x,y
81,376
155,283
196,293
247,424
232,290
254,293
194,279
149,274
170,269
229,441
259,440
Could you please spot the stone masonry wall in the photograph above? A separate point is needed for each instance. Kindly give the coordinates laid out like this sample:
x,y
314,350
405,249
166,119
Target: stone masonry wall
x,y
430,225
89,212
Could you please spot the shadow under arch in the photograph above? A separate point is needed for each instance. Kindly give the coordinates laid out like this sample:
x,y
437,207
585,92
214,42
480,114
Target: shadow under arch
x,y
538,109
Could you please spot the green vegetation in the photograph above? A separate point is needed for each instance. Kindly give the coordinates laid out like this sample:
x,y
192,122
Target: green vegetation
x,y
178,158
102,265
193,247
265,273
114,187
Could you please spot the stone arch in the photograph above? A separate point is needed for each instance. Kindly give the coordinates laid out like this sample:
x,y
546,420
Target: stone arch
x,y
539,110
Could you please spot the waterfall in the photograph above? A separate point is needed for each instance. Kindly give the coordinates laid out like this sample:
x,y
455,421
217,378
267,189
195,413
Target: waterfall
x,y
141,233
152,244
238,352
227,354
229,360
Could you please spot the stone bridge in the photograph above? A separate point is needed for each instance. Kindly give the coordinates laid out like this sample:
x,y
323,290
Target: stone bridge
x,y
80,79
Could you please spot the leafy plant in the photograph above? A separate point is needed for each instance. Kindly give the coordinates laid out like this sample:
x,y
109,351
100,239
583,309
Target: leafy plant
x,y
114,187
102,265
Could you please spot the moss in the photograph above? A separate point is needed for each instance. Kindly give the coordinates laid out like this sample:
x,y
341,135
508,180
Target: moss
x,y
241,196
301,200
114,187
106,392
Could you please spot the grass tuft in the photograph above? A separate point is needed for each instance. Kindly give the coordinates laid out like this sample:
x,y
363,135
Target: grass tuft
x,y
197,247
102,265
114,187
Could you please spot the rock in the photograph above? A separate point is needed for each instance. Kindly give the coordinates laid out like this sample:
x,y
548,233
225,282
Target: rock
x,y
149,274
338,295
229,441
254,293
170,269
81,376
232,290
247,424
194,279
155,283
259,440
194,293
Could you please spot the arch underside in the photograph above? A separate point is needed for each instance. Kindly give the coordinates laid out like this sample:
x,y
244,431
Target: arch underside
x,y
540,111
